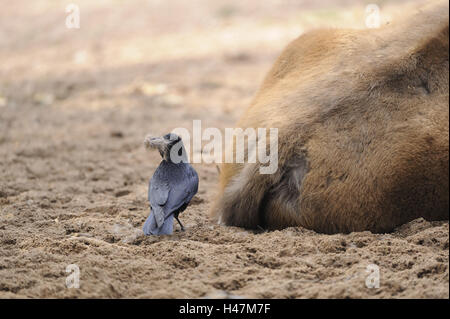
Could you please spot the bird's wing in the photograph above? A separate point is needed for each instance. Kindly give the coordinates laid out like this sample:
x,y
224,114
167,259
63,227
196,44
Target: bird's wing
x,y
158,193
182,192
192,184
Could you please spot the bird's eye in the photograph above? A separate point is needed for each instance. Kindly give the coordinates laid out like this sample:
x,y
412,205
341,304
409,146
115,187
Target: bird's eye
x,y
180,152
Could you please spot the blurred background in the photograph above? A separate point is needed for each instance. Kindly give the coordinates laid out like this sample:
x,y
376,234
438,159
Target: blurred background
x,y
198,55
137,66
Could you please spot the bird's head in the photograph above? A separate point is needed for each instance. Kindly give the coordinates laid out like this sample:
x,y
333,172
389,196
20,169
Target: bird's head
x,y
170,146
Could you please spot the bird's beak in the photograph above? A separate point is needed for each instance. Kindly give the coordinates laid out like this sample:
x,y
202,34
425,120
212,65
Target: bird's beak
x,y
156,142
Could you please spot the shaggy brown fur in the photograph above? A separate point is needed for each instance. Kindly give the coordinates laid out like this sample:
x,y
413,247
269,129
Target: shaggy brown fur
x,y
363,119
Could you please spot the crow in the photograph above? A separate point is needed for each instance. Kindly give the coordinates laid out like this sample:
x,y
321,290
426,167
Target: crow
x,y
172,186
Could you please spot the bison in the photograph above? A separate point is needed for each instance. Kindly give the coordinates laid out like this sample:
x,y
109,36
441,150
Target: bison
x,y
363,131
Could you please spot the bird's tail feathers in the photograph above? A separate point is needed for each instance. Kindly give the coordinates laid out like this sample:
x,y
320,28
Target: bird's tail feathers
x,y
151,227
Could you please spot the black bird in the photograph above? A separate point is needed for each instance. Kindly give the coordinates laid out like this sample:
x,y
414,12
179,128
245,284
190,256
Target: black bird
x,y
172,186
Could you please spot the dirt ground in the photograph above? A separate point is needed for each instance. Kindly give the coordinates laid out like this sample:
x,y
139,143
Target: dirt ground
x,y
75,106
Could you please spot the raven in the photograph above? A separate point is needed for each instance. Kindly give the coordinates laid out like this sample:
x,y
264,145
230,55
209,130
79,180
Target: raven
x,y
172,186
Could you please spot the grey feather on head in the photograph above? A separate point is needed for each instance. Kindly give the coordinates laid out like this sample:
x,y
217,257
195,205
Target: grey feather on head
x,y
170,146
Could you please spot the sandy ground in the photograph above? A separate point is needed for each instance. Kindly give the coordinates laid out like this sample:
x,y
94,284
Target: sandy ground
x,y
75,105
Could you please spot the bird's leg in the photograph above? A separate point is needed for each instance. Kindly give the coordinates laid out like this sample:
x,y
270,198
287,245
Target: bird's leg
x,y
182,227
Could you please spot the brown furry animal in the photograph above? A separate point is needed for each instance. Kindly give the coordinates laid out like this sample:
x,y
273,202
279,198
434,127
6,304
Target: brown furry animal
x,y
363,119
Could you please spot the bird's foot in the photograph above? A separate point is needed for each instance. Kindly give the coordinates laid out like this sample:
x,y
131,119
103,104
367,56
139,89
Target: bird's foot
x,y
181,225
